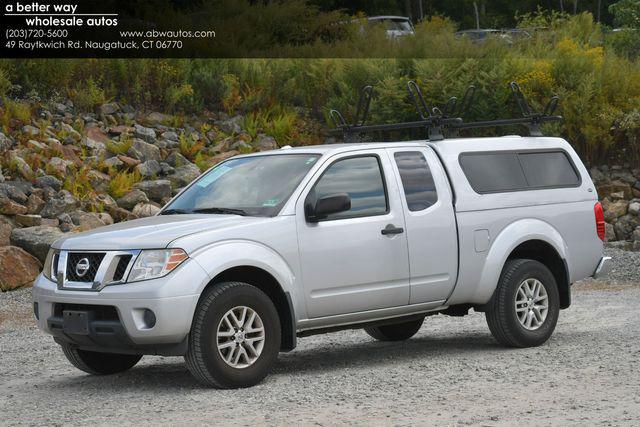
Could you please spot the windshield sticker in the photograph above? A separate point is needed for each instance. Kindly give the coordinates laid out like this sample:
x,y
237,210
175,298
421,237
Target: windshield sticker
x,y
213,176
311,160
270,202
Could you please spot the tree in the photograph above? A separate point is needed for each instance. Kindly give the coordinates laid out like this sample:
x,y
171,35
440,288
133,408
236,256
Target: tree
x,y
626,13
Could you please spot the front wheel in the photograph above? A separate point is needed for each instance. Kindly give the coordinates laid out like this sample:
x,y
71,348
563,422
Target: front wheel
x,y
235,336
96,363
524,309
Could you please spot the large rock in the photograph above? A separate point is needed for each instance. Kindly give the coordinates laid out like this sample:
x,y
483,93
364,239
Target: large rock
x,y
149,169
13,191
143,151
609,232
132,198
615,210
5,234
36,240
49,181
86,220
60,166
266,143
63,202
9,207
144,133
614,187
17,268
184,175
110,108
156,190
176,159
144,210
232,125
625,226
20,165
35,204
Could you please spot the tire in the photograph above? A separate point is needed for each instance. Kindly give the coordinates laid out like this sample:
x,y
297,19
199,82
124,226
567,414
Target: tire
x,y
395,332
96,363
504,318
209,330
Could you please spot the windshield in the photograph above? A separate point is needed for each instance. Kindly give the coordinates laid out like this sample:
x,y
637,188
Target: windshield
x,y
394,24
255,186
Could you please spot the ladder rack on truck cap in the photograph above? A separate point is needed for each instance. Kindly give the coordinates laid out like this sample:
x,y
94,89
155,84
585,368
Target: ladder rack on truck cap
x,y
446,121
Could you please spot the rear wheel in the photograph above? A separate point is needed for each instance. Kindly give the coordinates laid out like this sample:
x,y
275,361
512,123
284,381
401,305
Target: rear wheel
x,y
395,332
96,363
235,336
524,309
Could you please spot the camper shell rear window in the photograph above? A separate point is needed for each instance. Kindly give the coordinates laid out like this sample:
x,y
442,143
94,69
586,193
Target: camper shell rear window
x,y
522,170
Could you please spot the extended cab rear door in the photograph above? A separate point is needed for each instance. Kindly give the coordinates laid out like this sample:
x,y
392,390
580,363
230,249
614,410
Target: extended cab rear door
x,y
430,223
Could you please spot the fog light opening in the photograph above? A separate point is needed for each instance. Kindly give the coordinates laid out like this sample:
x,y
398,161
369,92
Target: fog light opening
x,y
149,319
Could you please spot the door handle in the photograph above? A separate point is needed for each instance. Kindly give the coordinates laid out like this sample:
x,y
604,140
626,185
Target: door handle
x,y
391,229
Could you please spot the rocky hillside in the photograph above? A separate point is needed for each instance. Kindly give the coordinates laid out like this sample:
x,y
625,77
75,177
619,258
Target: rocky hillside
x,y
65,172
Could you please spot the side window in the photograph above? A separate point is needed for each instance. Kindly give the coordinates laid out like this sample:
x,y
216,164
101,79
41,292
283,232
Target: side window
x,y
417,181
551,169
513,171
361,178
493,172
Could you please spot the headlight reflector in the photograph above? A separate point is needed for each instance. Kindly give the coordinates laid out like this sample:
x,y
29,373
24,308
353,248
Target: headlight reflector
x,y
152,264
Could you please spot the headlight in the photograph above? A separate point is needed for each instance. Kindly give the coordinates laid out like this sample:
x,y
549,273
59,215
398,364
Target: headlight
x,y
48,267
156,263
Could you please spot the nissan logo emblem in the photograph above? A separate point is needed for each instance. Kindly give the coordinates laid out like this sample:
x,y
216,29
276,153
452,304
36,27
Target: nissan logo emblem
x,y
82,267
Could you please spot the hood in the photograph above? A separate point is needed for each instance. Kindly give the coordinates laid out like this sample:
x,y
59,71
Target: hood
x,y
150,233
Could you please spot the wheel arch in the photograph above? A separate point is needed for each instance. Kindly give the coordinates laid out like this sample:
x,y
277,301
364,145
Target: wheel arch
x,y
268,284
527,238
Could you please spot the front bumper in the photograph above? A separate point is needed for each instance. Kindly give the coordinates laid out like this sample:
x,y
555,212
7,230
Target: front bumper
x,y
604,267
171,299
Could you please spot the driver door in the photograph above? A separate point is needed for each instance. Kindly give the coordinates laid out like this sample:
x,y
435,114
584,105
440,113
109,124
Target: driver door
x,y
350,262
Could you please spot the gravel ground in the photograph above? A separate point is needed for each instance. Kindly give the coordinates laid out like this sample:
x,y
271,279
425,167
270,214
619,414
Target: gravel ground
x,y
452,372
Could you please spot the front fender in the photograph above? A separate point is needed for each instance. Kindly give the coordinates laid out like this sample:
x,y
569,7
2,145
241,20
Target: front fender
x,y
223,255
505,242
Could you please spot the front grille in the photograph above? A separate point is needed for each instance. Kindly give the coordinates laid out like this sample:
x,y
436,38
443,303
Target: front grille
x,y
100,312
74,259
121,268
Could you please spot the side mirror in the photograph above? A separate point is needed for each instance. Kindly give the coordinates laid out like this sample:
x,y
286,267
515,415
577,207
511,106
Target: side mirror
x,y
328,205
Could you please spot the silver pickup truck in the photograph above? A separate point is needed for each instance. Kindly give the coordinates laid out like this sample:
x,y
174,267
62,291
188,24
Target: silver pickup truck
x,y
268,247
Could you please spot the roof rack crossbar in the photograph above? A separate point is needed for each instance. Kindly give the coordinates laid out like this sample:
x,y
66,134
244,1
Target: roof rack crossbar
x,y
438,122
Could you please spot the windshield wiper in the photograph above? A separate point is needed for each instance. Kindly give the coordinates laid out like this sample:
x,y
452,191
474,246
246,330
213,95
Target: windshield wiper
x,y
175,212
230,211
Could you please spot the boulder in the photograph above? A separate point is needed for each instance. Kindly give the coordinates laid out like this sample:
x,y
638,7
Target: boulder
x,y
35,204
17,268
222,157
176,159
48,181
105,218
109,108
170,135
155,118
63,202
121,214
20,165
143,210
28,220
634,207
128,161
143,151
86,220
232,125
132,198
69,130
30,130
144,133
614,187
5,143
113,162
149,169
156,190
99,181
60,166
13,192
5,234
36,240
266,143
184,175
625,226
615,210
9,207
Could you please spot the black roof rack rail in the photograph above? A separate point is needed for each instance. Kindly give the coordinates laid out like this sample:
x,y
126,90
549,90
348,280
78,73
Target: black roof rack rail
x,y
446,121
